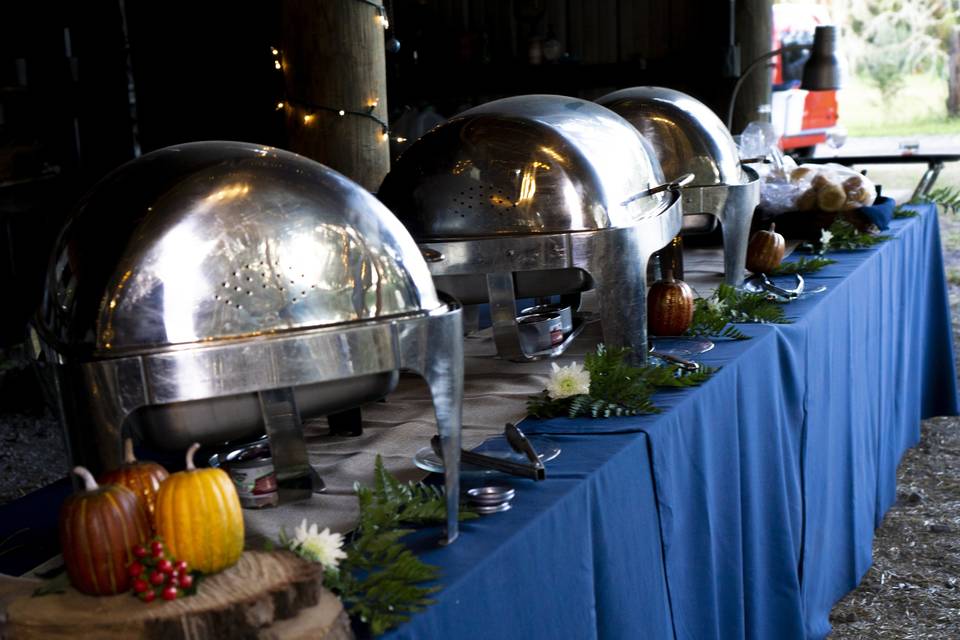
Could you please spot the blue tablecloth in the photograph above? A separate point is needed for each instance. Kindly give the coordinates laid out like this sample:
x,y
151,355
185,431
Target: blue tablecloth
x,y
767,482
578,556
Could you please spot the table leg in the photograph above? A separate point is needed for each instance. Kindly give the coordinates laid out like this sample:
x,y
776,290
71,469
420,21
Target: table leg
x,y
927,180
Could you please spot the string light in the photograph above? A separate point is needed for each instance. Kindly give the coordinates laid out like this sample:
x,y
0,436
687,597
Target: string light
x,y
381,13
400,139
309,110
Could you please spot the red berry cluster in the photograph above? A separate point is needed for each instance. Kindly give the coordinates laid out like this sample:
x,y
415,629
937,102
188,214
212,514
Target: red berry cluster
x,y
154,574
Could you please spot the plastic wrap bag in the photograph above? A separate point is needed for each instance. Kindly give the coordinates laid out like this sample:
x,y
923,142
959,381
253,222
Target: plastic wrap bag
x,y
815,187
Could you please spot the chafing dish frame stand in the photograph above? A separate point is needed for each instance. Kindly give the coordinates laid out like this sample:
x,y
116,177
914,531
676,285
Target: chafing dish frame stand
x,y
111,389
621,293
733,205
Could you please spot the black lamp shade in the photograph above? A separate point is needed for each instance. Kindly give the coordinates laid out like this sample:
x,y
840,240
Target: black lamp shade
x,y
822,70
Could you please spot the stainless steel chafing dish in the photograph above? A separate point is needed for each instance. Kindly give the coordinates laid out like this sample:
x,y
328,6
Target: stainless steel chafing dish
x,y
210,291
690,139
535,196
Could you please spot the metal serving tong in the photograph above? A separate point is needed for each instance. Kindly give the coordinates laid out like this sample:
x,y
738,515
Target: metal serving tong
x,y
789,294
686,365
533,468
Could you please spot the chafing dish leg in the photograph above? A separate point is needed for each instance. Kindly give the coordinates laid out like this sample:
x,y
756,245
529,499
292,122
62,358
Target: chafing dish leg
x,y
445,379
94,428
735,227
442,369
503,314
622,297
281,419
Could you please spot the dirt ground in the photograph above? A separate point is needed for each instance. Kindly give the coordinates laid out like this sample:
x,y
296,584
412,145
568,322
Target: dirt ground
x,y
912,591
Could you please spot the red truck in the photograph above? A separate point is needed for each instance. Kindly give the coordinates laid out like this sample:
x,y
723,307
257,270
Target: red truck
x,y
794,24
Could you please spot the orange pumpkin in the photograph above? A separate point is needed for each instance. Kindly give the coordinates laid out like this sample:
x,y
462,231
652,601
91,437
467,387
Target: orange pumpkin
x,y
765,251
199,518
98,528
143,478
669,306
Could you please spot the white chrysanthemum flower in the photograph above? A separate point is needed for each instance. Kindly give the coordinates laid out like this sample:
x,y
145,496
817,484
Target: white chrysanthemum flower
x,y
716,306
324,546
571,380
825,237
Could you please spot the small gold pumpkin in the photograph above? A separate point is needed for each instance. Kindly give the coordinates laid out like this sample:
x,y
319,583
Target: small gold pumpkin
x,y
765,251
199,518
141,477
669,306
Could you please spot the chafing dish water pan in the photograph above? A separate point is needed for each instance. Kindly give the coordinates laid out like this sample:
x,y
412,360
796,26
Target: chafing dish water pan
x,y
536,196
689,138
213,290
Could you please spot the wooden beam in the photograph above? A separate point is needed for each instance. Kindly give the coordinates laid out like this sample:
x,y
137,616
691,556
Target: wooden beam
x,y
332,53
755,36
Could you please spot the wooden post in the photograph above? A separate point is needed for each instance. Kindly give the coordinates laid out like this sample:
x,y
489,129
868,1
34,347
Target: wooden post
x,y
332,56
754,33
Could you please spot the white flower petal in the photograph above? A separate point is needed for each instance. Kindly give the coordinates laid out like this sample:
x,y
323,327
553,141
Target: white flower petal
x,y
324,546
571,380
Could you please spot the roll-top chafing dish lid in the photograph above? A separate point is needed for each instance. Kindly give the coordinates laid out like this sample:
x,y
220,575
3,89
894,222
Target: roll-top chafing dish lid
x,y
525,165
207,241
686,134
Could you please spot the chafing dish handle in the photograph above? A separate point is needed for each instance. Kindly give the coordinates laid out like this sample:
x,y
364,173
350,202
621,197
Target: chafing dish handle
x,y
431,255
682,181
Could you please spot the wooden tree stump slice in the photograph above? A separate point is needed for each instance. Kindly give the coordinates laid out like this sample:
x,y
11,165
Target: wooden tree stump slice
x,y
265,595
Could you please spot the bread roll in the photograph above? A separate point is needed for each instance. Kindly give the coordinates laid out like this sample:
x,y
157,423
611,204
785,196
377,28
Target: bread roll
x,y
832,197
819,181
859,196
852,183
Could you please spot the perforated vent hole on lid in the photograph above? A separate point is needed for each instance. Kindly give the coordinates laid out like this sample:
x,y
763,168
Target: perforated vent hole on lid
x,y
482,198
261,277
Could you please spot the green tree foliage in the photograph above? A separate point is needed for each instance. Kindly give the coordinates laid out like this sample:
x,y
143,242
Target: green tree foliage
x,y
893,39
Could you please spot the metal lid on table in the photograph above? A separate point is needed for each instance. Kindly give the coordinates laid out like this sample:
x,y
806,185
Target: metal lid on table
x,y
687,136
525,165
208,241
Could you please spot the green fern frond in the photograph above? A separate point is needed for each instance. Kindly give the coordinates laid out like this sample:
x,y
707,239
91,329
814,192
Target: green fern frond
x,y
902,212
381,580
803,265
846,237
715,316
946,197
617,388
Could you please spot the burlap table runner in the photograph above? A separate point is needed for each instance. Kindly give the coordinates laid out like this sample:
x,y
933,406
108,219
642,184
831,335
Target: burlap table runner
x,y
495,392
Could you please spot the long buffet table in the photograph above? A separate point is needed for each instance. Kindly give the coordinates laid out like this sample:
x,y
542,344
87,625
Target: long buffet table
x,y
747,507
